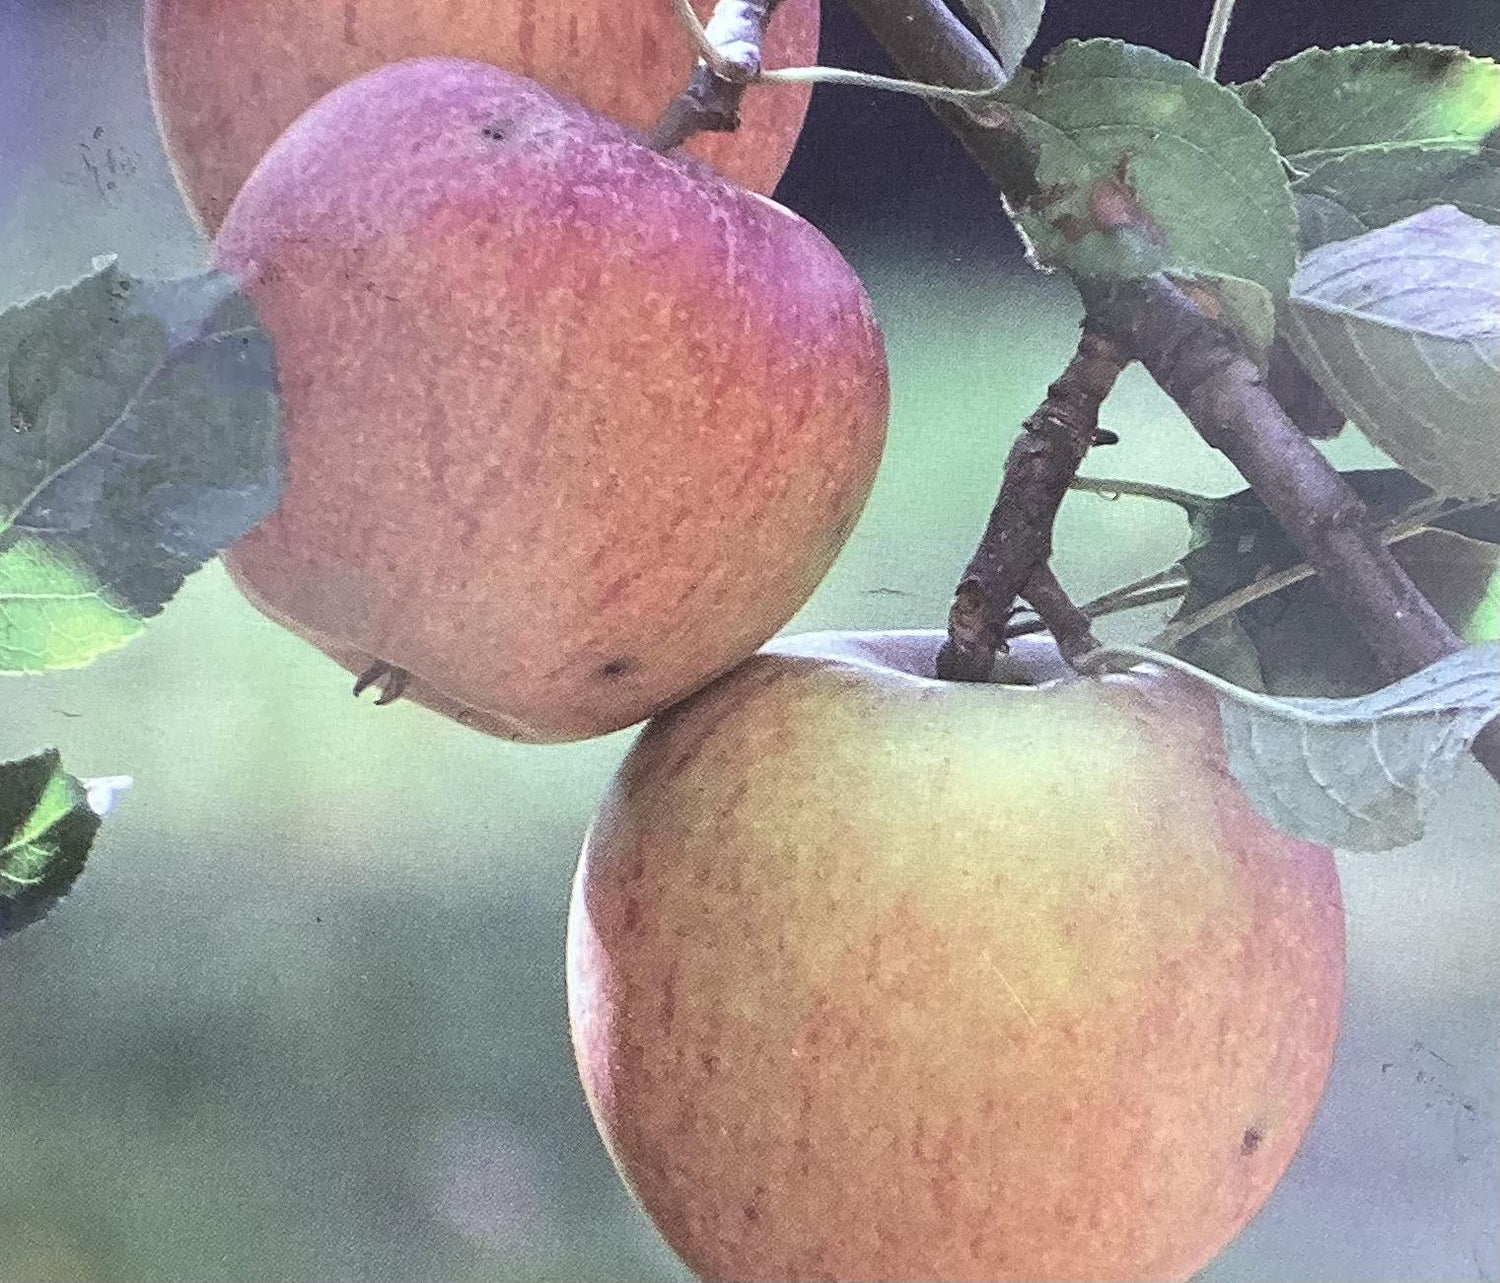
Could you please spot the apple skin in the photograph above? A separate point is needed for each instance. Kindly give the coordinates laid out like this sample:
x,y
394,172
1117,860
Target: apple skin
x,y
228,76
873,976
572,426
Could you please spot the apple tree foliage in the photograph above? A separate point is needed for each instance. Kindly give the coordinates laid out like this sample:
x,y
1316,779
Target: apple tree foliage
x,y
138,436
1347,203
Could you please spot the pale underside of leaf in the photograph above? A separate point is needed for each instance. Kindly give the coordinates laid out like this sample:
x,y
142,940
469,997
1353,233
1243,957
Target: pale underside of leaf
x,y
1402,329
1360,774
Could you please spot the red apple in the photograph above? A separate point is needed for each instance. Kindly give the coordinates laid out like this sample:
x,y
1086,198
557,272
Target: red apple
x,y
873,976
227,76
572,426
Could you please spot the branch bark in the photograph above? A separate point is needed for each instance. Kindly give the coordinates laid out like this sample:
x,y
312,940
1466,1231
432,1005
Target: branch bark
x,y
1201,365
1012,557
711,101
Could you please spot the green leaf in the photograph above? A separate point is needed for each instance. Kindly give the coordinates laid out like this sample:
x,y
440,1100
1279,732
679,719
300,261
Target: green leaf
x,y
138,436
48,820
1008,25
1383,186
1401,327
1234,541
1321,221
1358,774
1383,131
1144,165
1324,105
1300,642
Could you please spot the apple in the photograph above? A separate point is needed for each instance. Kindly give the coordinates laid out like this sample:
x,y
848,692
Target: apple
x,y
873,976
572,427
227,78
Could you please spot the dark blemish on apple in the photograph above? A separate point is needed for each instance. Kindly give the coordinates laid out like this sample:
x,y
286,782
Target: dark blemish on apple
x,y
494,132
1250,1142
619,667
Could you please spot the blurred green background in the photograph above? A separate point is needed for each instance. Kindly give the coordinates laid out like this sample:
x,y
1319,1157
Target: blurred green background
x,y
303,1018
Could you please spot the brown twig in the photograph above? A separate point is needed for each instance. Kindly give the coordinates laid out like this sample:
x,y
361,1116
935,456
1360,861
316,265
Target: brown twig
x,y
1011,560
1201,365
1068,624
711,101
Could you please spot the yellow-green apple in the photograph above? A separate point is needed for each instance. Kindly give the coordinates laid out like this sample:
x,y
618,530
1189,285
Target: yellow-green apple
x,y
228,76
572,426
873,976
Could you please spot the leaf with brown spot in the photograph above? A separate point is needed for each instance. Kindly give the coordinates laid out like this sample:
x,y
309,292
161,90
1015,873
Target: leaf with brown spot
x,y
1144,165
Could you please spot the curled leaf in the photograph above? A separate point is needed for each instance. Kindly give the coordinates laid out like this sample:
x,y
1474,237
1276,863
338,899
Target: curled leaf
x,y
1008,25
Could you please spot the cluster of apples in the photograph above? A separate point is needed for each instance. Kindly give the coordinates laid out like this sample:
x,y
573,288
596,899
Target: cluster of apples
x,y
870,976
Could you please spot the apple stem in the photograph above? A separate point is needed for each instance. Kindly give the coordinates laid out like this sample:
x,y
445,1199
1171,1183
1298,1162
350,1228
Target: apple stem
x,y
1011,560
1203,367
730,47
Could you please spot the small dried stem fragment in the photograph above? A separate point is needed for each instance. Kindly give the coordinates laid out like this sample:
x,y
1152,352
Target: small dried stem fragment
x,y
388,678
1017,542
711,101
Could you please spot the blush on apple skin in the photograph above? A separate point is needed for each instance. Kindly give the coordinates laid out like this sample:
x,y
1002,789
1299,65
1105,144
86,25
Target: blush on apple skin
x,y
878,977
572,426
227,78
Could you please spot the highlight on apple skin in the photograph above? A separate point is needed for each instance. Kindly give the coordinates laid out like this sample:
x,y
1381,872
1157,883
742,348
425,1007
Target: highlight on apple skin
x,y
227,78
572,426
873,976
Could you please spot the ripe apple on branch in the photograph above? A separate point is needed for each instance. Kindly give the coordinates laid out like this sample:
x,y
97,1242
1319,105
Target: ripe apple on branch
x,y
951,956
573,426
